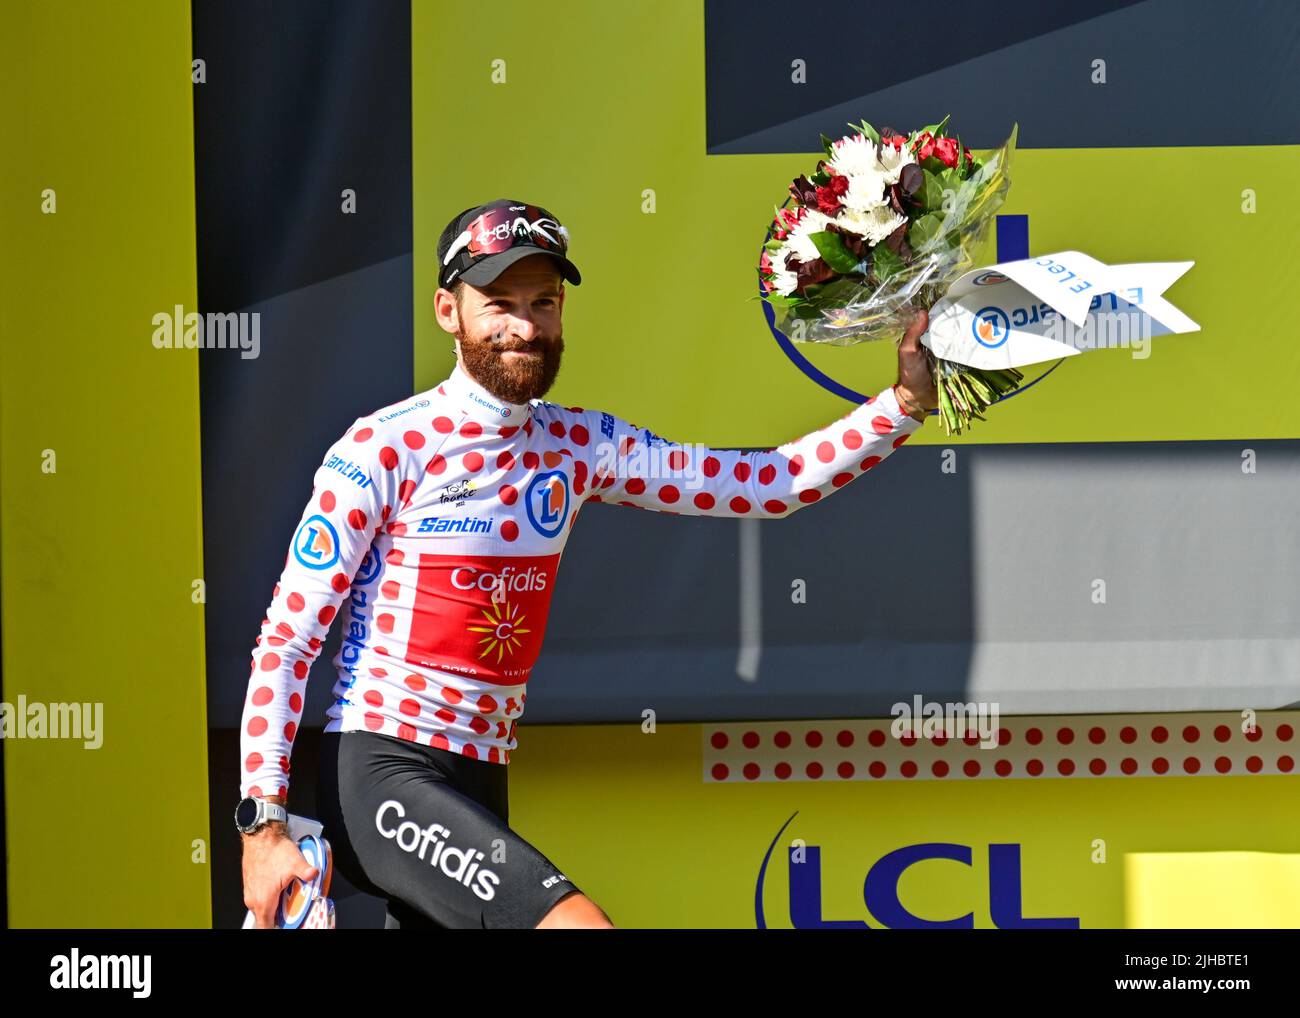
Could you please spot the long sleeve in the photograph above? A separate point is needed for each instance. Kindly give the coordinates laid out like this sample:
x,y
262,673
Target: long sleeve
x,y
631,466
355,490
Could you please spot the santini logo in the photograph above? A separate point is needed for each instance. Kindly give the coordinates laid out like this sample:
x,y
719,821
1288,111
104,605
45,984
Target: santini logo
x,y
101,972
461,864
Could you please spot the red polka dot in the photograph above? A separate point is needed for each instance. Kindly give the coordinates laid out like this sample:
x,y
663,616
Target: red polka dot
x,y
766,474
262,696
1033,736
704,500
357,519
1284,764
409,707
509,530
1128,734
750,740
296,602
845,770
751,771
825,452
782,770
900,440
256,725
1160,765
795,466
1065,736
506,461
939,769
773,505
739,505
742,470
1128,765
284,764
1065,767
507,432
415,683
439,741
508,494
971,768
327,501
579,435
487,704
1191,765
469,750
720,772
1223,733
907,768
1096,736
373,697
253,762
413,440
881,425
270,662
290,730
814,770
326,615
1254,764
363,435
1002,768
295,702
719,740
388,457
812,738
869,462
1034,768
676,460
1191,733
1254,734
407,732
391,589
471,429
1097,766
939,740
473,462
1159,733
443,714
452,695
443,425
1223,765
876,769
1004,736
300,669
711,466
479,725
668,493
531,460
437,465
844,737
839,480
809,496
556,429
1284,733
876,737
384,623
852,439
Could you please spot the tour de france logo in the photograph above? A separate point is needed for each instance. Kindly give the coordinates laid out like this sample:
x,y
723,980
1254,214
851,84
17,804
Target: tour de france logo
x,y
990,326
547,501
316,545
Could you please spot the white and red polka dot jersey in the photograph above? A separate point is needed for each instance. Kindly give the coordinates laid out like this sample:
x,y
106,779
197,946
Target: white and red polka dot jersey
x,y
436,527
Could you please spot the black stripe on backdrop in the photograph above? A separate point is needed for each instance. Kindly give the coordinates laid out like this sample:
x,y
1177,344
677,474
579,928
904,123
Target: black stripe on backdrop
x,y
302,100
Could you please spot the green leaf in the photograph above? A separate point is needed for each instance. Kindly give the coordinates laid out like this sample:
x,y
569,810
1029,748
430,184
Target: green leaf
x,y
831,248
774,245
826,145
870,132
931,193
921,233
885,262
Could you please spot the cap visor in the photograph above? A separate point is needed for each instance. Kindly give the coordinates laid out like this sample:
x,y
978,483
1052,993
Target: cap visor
x,y
485,271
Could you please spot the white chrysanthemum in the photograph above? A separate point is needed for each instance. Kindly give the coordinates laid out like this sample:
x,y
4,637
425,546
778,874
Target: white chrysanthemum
x,y
866,192
798,243
892,161
875,224
783,280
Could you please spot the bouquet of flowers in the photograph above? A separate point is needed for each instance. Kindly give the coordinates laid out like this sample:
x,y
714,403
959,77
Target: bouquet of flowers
x,y
886,224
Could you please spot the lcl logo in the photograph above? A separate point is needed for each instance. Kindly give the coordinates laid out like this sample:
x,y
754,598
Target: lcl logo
x,y
880,889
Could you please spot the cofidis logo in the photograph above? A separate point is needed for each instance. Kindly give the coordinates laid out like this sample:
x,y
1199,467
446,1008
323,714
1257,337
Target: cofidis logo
x,y
547,501
880,889
316,545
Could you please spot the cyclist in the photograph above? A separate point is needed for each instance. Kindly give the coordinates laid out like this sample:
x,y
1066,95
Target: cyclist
x,y
435,528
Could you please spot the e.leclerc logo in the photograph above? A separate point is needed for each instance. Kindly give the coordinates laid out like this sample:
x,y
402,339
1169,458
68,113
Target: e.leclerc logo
x,y
316,545
547,501
990,326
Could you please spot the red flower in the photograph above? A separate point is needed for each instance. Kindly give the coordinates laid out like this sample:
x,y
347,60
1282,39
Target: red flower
x,y
946,150
828,198
765,265
896,140
923,146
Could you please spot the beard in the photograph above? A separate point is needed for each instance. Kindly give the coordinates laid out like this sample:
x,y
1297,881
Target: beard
x,y
514,381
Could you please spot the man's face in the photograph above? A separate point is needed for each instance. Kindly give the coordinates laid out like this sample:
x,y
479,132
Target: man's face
x,y
509,336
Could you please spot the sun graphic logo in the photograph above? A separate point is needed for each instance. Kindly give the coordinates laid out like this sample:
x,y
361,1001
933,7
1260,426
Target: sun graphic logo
x,y
502,632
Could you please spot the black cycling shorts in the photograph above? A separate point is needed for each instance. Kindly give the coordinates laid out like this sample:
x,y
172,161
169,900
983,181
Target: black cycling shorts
x,y
427,829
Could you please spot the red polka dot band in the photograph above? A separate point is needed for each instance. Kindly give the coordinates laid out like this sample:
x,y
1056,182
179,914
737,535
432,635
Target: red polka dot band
x,y
1077,746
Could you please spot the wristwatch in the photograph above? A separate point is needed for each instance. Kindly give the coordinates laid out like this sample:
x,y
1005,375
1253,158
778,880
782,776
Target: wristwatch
x,y
252,813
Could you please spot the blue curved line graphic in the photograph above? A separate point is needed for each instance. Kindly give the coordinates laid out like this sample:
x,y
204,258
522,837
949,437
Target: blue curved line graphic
x,y
762,872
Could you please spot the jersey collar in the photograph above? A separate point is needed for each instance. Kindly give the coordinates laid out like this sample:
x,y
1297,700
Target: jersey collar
x,y
481,405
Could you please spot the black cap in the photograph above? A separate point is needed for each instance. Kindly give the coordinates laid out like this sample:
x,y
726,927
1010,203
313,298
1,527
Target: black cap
x,y
486,240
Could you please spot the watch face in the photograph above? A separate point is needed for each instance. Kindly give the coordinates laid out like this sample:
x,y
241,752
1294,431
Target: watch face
x,y
246,812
